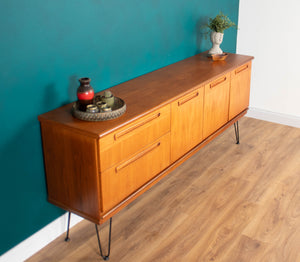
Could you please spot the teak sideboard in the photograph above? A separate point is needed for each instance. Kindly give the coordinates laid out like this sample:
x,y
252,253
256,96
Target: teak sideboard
x,y
94,169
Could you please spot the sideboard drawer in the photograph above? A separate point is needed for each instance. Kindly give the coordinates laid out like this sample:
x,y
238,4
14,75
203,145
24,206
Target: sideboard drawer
x,y
124,142
123,179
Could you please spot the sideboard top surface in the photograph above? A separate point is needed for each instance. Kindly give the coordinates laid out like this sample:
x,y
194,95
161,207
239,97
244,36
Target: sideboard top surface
x,y
150,91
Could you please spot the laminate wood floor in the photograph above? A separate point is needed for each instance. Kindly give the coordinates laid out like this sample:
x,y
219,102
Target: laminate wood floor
x,y
228,203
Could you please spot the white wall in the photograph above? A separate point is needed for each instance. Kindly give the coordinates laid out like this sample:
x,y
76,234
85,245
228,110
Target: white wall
x,y
270,31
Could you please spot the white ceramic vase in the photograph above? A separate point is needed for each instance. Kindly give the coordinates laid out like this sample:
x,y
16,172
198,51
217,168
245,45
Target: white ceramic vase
x,y
216,39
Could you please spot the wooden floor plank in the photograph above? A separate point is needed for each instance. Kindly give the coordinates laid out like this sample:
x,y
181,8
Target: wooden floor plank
x,y
228,203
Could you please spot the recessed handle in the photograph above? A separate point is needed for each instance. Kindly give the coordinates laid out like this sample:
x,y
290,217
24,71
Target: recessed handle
x,y
219,81
186,99
131,128
241,69
136,157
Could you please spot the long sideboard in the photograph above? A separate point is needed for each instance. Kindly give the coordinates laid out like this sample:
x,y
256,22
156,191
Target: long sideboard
x,y
95,169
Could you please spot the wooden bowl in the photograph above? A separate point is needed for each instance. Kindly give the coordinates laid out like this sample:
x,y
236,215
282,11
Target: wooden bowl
x,y
219,57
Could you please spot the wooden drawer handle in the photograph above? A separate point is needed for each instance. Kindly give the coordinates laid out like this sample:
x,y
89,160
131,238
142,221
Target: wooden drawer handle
x,y
137,156
218,82
241,69
183,101
128,130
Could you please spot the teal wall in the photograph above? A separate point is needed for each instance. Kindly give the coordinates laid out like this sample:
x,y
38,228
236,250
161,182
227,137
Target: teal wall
x,y
46,46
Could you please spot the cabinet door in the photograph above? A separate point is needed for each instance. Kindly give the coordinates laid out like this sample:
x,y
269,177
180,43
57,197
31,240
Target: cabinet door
x,y
216,104
186,123
239,90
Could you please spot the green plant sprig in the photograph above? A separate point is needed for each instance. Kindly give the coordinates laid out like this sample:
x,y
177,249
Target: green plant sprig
x,y
220,23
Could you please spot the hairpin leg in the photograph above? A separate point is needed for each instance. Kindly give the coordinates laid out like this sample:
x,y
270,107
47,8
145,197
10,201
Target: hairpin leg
x,y
105,257
237,132
67,239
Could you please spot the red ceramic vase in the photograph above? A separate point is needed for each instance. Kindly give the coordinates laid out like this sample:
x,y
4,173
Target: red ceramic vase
x,y
85,93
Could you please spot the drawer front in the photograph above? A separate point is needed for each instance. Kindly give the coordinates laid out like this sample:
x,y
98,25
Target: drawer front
x,y
126,141
216,104
239,90
126,177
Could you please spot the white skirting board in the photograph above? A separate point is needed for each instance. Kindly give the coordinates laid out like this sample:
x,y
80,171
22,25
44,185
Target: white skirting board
x,y
40,239
274,117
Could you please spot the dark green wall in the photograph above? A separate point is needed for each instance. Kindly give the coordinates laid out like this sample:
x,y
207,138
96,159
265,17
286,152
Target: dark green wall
x,y
47,45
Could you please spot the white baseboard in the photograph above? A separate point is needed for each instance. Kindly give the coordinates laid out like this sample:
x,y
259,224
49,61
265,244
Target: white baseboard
x,y
40,239
274,117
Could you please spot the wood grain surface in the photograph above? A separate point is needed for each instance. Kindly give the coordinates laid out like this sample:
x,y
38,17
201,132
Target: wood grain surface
x,y
216,105
227,203
186,123
159,87
199,89
239,89
72,183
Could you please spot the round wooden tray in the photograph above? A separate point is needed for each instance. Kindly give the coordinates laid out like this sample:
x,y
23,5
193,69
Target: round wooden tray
x,y
118,109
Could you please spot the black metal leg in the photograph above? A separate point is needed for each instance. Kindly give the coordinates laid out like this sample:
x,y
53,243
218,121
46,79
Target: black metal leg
x,y
237,132
105,257
67,239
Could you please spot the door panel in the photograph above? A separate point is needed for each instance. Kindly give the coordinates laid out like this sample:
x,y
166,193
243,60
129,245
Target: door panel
x,y
216,104
186,123
239,90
